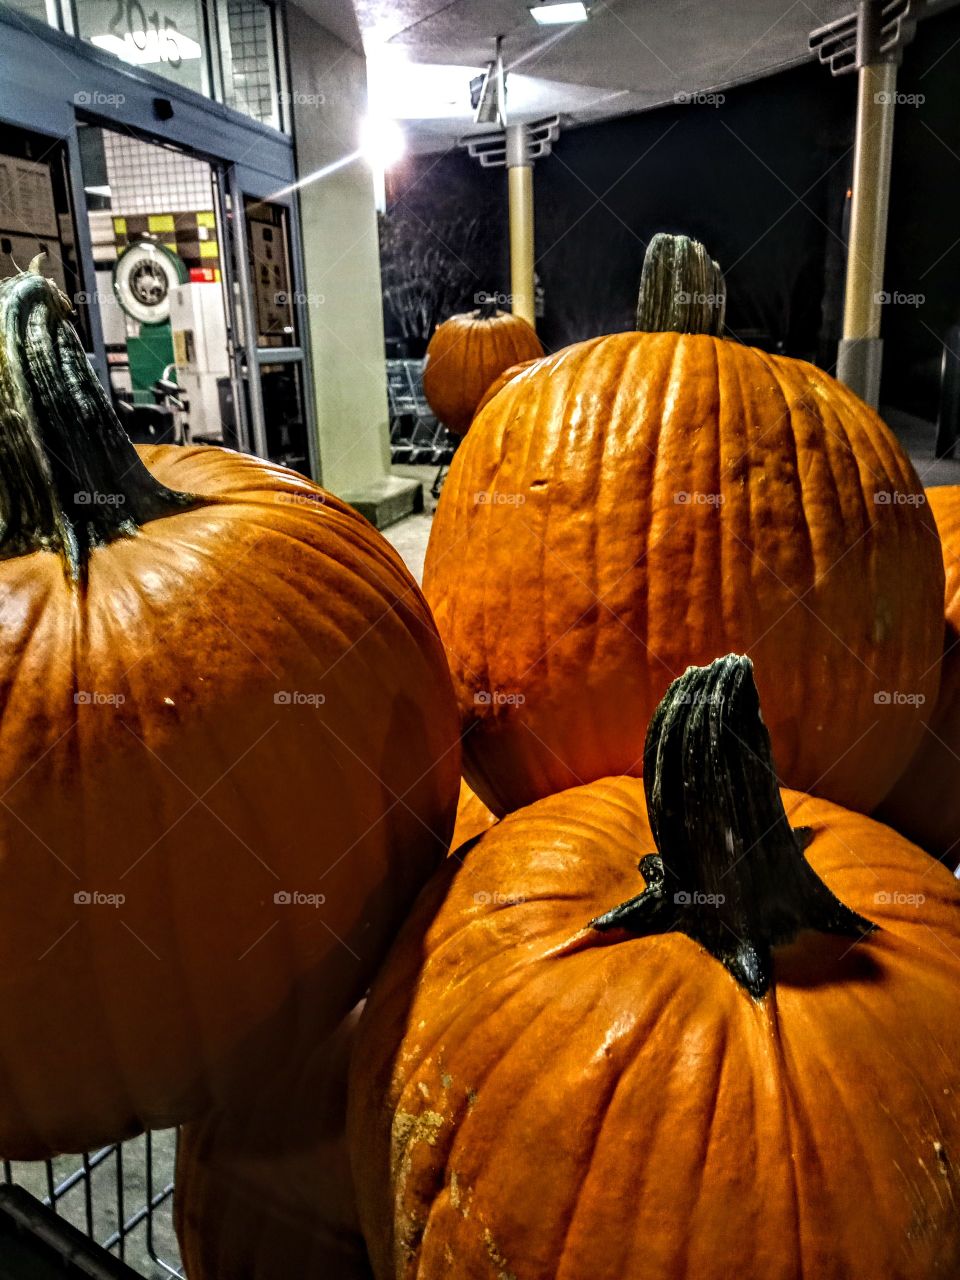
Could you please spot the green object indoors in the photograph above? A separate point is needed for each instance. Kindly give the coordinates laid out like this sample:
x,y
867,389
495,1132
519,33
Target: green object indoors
x,y
149,355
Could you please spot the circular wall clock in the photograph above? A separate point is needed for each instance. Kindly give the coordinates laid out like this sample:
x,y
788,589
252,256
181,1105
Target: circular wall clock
x,y
143,278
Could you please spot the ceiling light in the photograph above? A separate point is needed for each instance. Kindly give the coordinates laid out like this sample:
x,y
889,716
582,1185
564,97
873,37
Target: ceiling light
x,y
551,15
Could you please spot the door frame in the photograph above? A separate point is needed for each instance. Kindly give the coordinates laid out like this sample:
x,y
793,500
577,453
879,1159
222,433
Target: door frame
x,y
93,87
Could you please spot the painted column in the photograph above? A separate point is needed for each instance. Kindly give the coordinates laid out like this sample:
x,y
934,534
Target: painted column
x,y
520,193
861,349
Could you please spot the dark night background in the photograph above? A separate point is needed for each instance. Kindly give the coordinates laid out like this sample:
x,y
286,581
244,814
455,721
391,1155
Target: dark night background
x,y
761,179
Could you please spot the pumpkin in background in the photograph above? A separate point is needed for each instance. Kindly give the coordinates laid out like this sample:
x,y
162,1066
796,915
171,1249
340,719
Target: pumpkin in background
x,y
228,756
266,1193
640,501
730,1073
473,818
466,354
925,803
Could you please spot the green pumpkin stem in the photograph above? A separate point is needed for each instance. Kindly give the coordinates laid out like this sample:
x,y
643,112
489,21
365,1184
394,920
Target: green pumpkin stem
x,y
730,872
682,289
70,479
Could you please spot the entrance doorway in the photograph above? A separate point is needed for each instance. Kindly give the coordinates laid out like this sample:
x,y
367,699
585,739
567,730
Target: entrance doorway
x,y
174,269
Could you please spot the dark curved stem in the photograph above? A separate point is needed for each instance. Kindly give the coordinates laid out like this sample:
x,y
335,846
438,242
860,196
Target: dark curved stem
x,y
488,308
681,288
730,872
70,479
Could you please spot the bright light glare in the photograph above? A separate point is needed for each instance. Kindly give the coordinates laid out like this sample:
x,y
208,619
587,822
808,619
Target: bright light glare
x,y
549,15
147,49
382,142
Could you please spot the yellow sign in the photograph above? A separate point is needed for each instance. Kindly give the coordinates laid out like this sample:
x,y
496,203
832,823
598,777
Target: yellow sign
x,y
161,222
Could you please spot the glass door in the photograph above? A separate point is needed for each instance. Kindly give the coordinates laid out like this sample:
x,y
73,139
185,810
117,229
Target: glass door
x,y
165,289
272,314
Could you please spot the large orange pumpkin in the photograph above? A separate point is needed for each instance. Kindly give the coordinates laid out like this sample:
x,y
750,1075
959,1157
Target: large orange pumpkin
x,y
466,354
228,755
925,803
265,1193
640,501
731,1073
473,818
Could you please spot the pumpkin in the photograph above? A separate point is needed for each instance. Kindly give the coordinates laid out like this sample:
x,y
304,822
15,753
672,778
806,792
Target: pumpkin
x,y
498,383
723,1058
466,354
925,803
473,818
266,1193
644,500
228,755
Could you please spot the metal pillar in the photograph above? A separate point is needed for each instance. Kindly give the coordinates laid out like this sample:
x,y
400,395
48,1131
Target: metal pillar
x,y
869,42
520,194
517,147
860,354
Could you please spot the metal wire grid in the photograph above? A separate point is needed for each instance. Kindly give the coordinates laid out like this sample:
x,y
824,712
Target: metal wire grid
x,y
121,1196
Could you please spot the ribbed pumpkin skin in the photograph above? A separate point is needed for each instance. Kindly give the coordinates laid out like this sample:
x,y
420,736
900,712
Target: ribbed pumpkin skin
x,y
465,355
498,383
199,797
925,803
566,568
473,818
530,1099
266,1194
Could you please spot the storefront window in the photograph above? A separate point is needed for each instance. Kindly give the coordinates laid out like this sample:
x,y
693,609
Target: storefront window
x,y
248,52
165,36
43,10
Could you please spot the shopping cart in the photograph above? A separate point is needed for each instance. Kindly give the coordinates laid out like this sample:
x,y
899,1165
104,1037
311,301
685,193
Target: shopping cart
x,y
120,1198
417,438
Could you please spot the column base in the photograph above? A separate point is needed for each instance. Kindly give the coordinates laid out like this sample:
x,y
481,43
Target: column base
x,y
859,362
384,502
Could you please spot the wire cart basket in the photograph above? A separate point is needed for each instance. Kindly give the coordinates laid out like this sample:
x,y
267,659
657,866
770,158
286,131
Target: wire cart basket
x,y
119,1197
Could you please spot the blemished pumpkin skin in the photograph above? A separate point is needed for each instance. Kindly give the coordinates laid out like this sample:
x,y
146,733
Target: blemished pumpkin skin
x,y
541,1092
466,354
641,501
228,756
266,1193
925,803
473,818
